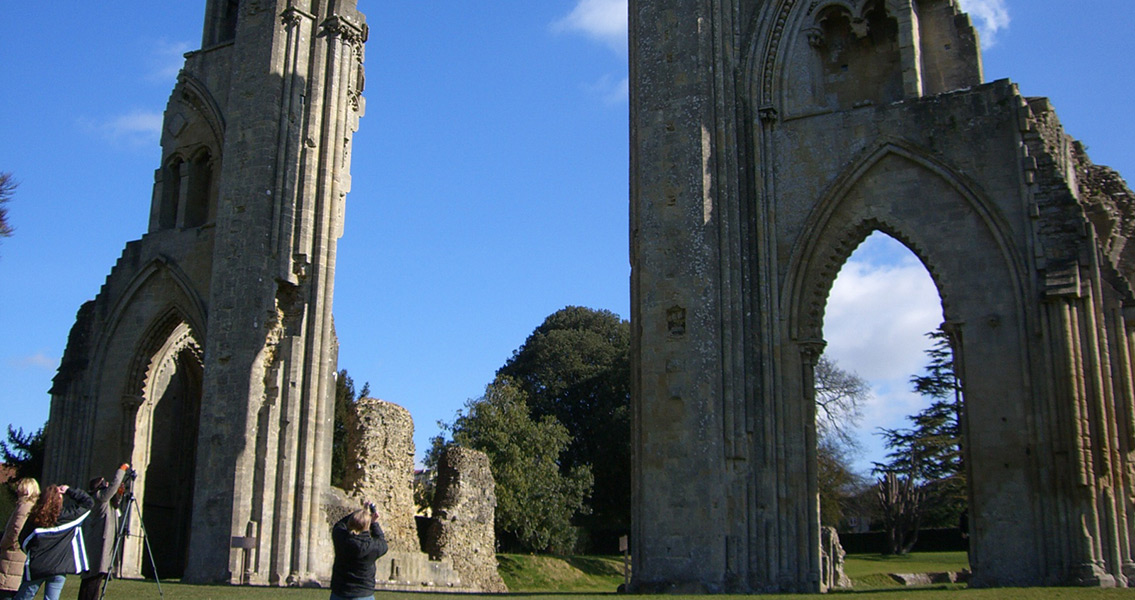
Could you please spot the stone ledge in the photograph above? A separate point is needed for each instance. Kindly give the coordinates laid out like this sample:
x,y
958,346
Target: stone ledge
x,y
930,578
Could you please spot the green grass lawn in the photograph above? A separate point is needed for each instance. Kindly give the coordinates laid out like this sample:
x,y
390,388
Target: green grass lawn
x,y
596,577
869,571
528,573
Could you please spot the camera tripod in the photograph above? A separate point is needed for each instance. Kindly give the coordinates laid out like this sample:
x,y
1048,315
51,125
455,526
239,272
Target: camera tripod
x,y
129,503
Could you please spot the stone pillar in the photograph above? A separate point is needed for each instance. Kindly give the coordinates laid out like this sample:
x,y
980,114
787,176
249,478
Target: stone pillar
x,y
380,445
464,509
910,46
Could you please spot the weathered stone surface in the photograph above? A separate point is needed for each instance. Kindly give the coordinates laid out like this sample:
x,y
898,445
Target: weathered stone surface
x,y
380,454
768,140
831,560
915,579
463,511
207,360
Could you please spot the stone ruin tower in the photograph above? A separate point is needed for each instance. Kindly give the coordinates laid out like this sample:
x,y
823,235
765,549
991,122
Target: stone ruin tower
x,y
208,358
768,139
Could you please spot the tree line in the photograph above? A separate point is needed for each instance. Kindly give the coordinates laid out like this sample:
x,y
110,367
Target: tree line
x,y
555,424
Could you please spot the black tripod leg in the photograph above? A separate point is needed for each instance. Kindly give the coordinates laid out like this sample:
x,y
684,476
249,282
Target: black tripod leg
x,y
132,503
149,552
118,537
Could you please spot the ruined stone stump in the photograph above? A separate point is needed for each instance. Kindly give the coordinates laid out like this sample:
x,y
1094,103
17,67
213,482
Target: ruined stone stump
x,y
380,455
832,557
464,507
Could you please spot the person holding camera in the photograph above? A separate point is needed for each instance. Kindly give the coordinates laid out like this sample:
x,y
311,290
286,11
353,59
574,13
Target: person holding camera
x,y
359,542
99,530
50,538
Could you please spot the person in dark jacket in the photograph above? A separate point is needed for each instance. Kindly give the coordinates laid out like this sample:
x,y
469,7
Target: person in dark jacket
x,y
53,540
99,531
359,542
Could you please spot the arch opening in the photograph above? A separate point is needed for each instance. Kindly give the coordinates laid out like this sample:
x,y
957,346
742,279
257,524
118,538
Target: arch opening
x,y
165,449
171,194
881,311
200,205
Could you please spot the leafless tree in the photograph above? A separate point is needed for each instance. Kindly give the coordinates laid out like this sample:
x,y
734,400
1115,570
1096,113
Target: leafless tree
x,y
839,403
7,190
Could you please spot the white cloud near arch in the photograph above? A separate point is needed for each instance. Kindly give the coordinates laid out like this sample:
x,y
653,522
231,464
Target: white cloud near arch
x,y
881,306
603,20
990,17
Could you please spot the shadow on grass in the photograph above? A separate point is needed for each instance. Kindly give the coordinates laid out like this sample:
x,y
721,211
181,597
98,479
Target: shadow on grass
x,y
591,565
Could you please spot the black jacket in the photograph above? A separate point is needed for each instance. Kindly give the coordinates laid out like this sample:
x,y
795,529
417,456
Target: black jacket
x,y
352,575
58,549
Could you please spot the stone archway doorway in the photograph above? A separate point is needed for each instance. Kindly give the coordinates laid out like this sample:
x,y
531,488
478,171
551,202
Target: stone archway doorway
x,y
881,329
165,448
977,276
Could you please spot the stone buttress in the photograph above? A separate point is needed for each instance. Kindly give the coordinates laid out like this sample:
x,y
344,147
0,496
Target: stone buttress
x,y
207,360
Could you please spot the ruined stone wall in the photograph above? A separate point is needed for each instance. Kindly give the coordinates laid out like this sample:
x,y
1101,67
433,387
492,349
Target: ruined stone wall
x,y
380,467
758,166
237,266
463,512
1110,206
832,575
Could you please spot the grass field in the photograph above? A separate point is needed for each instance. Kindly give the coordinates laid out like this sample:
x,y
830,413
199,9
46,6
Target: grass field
x,y
595,577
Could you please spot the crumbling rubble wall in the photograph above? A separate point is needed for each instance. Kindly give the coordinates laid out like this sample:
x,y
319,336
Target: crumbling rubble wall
x,y
380,467
464,508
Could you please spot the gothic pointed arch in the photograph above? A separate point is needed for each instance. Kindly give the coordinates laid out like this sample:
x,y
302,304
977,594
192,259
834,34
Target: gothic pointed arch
x,y
857,203
186,191
161,412
192,303
806,58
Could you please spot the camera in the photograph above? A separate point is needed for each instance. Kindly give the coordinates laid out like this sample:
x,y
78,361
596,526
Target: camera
x,y
131,474
372,508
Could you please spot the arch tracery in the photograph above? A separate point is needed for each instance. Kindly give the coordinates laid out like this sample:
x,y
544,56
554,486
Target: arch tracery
x,y
827,241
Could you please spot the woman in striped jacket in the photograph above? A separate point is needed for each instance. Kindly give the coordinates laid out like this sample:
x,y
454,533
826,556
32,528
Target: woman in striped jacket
x,y
53,540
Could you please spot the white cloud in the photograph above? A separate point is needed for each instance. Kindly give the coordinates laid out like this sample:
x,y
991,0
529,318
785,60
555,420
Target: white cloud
x,y
604,20
876,318
166,59
881,305
138,127
39,360
611,90
990,16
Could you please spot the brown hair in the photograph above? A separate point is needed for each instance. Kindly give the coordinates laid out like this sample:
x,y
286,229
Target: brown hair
x,y
45,513
360,521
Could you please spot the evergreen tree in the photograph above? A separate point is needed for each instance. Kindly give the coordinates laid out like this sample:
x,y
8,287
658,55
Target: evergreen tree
x,y
24,452
7,190
345,396
575,367
536,498
930,451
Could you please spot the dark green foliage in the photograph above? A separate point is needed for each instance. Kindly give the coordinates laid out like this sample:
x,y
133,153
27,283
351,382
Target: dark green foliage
x,y
345,396
536,499
576,367
24,452
930,451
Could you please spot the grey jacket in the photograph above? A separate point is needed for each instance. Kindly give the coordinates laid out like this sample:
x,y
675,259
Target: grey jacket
x,y
100,527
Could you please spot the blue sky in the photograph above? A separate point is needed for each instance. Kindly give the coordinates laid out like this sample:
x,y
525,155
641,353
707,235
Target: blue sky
x,y
489,173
